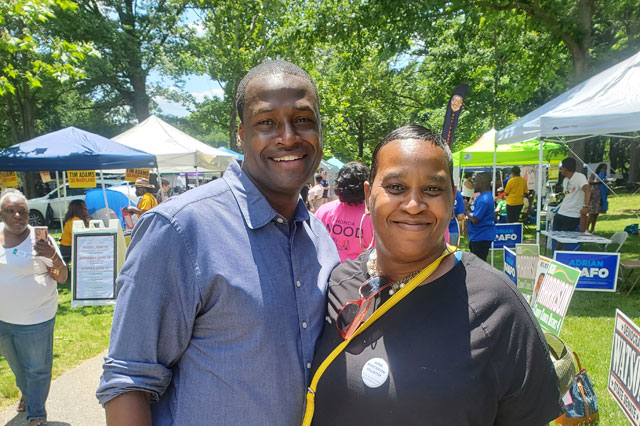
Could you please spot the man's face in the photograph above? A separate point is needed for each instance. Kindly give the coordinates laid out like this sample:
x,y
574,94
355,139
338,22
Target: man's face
x,y
280,134
564,171
140,191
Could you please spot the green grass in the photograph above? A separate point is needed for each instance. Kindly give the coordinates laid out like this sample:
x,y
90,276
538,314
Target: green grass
x,y
82,333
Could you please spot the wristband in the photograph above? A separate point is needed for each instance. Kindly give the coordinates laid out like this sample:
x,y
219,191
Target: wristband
x,y
53,255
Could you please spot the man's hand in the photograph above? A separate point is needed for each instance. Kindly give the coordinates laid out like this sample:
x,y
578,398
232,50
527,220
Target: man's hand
x,y
129,409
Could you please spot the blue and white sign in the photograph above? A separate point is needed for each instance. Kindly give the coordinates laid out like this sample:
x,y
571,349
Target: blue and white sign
x,y
510,265
507,235
598,270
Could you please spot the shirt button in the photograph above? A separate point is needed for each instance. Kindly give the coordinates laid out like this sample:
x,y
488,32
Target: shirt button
x,y
279,220
308,365
298,283
304,324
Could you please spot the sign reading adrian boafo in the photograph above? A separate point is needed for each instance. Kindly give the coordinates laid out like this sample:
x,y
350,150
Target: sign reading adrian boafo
x,y
555,283
624,370
598,271
507,235
510,265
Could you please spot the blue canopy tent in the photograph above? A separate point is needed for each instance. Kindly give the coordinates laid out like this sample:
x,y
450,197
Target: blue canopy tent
x,y
228,151
73,149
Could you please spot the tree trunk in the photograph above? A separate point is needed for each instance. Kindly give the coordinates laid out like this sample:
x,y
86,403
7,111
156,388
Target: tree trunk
x,y
634,162
577,152
140,97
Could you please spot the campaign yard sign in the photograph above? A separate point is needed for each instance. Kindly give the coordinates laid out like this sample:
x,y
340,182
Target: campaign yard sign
x,y
507,235
598,270
82,178
526,265
510,265
555,283
624,369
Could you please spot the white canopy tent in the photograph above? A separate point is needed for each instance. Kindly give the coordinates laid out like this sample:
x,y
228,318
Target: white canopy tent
x,y
606,104
175,150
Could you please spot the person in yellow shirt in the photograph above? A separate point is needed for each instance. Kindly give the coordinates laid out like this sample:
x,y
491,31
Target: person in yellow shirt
x,y
515,191
147,199
77,210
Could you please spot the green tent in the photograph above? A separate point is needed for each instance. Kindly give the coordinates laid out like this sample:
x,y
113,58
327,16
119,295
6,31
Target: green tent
x,y
481,153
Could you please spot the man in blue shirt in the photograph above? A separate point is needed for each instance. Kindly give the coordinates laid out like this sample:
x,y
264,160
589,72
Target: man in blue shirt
x,y
222,296
482,230
456,226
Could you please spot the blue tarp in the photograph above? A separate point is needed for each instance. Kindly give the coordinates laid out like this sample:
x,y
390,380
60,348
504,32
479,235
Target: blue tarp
x,y
228,151
72,149
117,200
335,162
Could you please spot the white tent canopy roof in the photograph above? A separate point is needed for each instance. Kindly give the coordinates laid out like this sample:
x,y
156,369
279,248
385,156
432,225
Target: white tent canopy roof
x,y
607,103
175,150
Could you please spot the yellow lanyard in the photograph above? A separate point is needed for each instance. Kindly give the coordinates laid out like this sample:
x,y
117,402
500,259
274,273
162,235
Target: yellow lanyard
x,y
399,295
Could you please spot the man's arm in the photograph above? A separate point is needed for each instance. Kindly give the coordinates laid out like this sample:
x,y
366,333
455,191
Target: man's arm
x,y
129,409
587,199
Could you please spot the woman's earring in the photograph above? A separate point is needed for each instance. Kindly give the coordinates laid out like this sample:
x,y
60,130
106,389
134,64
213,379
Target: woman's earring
x,y
373,237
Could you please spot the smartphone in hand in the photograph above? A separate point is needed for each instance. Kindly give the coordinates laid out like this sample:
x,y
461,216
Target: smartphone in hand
x,y
42,233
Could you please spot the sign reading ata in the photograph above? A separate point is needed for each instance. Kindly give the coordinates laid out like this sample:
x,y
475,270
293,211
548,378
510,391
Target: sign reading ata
x,y
507,235
624,369
598,271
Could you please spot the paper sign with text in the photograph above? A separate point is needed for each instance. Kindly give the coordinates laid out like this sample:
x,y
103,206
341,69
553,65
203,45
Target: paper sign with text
x,y
82,178
45,176
598,271
624,369
133,174
8,179
526,265
552,293
510,265
507,235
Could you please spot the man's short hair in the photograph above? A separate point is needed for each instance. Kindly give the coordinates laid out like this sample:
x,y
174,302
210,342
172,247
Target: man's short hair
x,y
267,69
515,170
165,182
569,164
318,178
412,131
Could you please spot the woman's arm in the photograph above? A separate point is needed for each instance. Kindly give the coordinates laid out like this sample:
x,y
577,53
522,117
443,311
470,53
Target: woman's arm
x,y
58,271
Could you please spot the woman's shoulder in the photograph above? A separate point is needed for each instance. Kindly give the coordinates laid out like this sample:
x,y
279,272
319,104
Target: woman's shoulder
x,y
347,277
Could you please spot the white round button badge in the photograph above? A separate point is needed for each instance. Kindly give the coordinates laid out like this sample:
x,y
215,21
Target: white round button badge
x,y
375,372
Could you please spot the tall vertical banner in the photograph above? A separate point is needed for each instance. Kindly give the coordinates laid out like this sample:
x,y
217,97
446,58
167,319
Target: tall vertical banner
x,y
624,369
598,270
507,235
510,265
526,266
552,293
454,108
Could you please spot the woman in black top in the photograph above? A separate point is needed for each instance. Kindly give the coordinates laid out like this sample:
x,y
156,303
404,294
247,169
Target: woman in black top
x,y
463,348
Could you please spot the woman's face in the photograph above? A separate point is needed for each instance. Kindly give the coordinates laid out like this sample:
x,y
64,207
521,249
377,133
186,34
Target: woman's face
x,y
15,215
410,200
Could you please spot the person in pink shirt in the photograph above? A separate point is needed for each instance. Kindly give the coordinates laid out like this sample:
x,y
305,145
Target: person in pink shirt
x,y
345,218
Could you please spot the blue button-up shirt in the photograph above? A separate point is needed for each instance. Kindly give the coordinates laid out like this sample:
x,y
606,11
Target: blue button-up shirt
x,y
220,303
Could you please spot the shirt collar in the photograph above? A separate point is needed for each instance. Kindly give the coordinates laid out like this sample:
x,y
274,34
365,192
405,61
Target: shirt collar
x,y
255,208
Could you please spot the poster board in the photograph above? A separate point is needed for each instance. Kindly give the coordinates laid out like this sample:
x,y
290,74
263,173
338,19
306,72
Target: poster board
x,y
8,179
552,293
98,253
82,178
624,375
507,235
526,266
132,174
598,270
510,265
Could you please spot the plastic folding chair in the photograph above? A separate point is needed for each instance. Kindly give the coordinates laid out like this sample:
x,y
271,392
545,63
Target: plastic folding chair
x,y
617,238
630,266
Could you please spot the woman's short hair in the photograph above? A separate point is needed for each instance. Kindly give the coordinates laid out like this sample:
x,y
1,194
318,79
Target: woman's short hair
x,y
11,193
349,184
413,131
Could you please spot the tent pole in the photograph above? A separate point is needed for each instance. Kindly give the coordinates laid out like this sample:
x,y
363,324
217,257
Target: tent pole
x,y
104,191
539,190
64,191
197,177
58,190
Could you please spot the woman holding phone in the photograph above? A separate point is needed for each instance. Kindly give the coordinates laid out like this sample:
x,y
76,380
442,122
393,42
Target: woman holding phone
x,y
31,268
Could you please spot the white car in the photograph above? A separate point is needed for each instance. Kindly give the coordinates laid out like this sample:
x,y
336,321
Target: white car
x,y
38,206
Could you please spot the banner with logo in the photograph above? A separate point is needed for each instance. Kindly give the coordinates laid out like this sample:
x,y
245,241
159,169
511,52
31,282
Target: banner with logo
x,y
510,265
598,270
133,174
8,179
624,373
507,235
82,178
553,290
526,265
